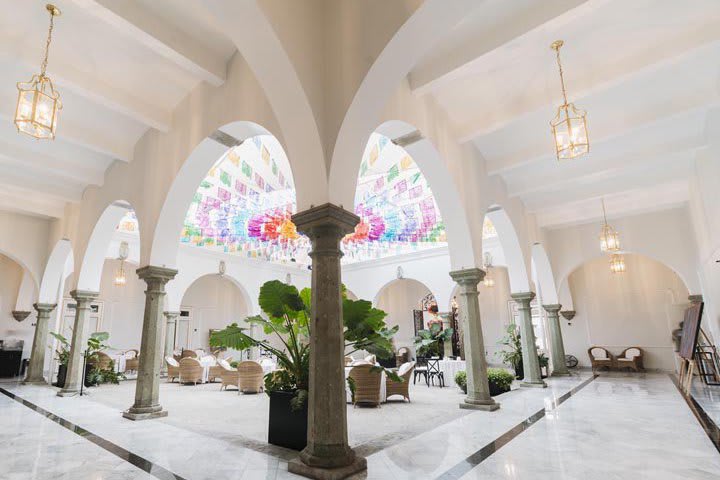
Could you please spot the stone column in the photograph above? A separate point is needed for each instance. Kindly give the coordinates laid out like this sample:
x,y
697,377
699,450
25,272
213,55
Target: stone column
x,y
478,392
75,374
531,364
35,372
557,348
147,388
170,326
327,454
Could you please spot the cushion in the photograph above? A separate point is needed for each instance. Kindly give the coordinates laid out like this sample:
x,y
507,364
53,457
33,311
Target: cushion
x,y
172,362
404,368
224,363
632,352
599,353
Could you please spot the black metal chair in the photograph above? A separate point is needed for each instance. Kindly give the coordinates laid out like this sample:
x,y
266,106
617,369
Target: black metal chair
x,y
421,369
433,371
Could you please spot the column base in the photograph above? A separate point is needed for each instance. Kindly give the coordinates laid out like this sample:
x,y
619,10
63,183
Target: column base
x,y
68,393
560,374
35,381
540,384
297,467
487,407
134,414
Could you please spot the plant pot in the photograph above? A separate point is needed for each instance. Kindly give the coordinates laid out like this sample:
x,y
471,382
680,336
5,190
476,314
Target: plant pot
x,y
519,372
496,389
89,382
287,428
62,373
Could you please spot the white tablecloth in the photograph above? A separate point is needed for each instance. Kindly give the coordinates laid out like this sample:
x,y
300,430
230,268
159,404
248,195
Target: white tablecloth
x,y
450,368
119,360
207,362
383,389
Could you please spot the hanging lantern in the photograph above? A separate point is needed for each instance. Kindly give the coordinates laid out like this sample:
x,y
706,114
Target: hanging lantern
x,y
617,263
120,279
38,102
488,280
569,127
609,237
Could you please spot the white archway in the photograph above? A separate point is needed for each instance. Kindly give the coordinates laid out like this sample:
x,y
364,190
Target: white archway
x,y
176,290
545,278
55,271
510,243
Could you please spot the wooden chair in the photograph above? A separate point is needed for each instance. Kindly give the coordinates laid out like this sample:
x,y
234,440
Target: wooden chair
x,y
250,378
132,360
400,388
367,385
421,370
229,376
631,357
433,372
188,354
600,357
190,371
173,369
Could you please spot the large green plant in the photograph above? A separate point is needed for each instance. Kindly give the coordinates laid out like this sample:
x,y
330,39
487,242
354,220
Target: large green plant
x,y
63,351
430,342
288,315
512,355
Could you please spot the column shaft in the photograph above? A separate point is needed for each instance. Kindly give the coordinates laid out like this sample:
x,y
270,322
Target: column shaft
x,y
327,454
147,389
531,363
75,374
478,391
170,328
557,348
35,373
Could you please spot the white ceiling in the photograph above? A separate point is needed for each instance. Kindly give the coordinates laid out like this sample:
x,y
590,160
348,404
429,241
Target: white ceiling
x,y
646,71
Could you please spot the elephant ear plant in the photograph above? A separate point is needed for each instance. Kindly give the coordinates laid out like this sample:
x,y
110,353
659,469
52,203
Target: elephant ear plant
x,y
288,320
430,342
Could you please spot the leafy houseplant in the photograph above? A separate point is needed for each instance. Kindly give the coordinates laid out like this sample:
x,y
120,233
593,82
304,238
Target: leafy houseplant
x,y
513,355
93,376
461,380
288,314
430,342
499,381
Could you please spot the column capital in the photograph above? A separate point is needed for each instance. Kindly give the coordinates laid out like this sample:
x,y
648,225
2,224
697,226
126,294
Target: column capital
x,y
153,273
695,298
468,276
568,314
20,315
84,295
171,315
552,308
323,216
523,297
44,307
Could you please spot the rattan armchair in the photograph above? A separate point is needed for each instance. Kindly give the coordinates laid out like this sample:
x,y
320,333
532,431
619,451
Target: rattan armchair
x,y
600,357
402,356
348,360
228,375
631,357
367,385
100,360
188,354
173,369
191,371
250,378
132,360
400,388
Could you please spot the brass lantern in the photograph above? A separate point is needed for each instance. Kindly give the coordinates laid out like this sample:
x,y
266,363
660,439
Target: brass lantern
x,y
569,127
609,237
617,263
488,280
38,102
120,279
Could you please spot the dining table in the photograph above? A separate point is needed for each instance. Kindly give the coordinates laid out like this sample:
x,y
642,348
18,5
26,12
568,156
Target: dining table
x,y
449,368
206,362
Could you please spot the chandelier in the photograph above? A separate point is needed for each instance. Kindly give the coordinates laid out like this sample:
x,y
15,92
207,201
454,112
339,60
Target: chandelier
x,y
569,127
488,280
617,263
609,237
38,102
120,277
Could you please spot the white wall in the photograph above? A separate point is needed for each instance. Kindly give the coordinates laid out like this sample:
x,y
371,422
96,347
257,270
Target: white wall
x,y
398,300
11,275
123,307
638,308
494,312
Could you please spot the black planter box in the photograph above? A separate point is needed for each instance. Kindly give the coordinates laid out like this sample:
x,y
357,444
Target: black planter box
x,y
496,390
287,428
62,373
519,371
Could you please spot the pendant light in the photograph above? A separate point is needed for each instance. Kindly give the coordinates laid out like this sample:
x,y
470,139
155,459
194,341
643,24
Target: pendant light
x,y
120,277
38,103
569,127
609,237
488,280
617,263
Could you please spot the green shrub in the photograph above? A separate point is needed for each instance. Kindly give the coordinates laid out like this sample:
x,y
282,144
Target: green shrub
x,y
461,380
234,363
500,377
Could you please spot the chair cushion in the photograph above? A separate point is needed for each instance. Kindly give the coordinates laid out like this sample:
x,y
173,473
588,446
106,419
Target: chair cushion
x,y
224,363
404,368
172,362
632,353
599,353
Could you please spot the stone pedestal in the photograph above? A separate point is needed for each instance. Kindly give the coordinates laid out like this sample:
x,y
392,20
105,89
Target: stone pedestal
x,y
147,388
75,374
327,454
170,326
37,354
478,392
557,348
531,364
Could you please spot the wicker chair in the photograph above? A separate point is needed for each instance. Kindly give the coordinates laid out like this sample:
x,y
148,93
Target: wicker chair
x,y
101,361
229,376
402,356
132,360
631,357
401,388
173,369
188,354
367,385
600,357
348,360
216,372
250,378
190,371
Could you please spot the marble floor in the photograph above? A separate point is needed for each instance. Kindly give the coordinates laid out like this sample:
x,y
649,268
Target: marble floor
x,y
612,427
708,396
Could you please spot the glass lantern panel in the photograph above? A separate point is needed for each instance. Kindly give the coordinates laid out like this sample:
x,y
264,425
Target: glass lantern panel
x,y
44,111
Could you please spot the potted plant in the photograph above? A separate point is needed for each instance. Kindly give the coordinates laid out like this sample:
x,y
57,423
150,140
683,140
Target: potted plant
x,y
512,355
544,364
430,342
461,380
499,381
92,375
288,314
62,355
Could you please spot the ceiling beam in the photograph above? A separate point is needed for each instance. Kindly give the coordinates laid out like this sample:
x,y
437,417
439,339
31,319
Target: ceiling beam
x,y
457,60
32,205
159,36
12,156
34,182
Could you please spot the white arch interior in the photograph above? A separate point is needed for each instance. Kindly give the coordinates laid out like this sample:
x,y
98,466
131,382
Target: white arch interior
x,y
514,257
545,280
398,299
55,271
